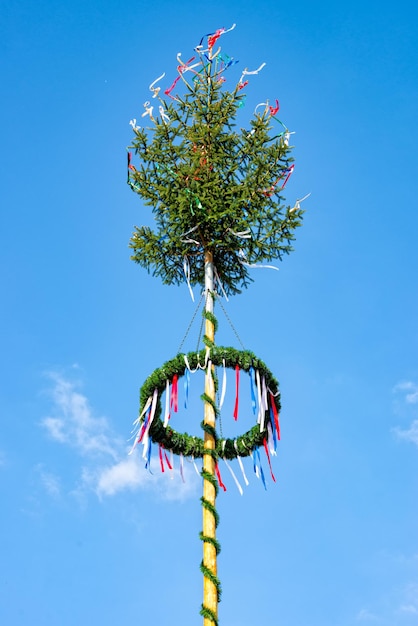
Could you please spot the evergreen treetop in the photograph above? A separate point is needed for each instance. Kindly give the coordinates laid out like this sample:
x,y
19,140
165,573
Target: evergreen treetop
x,y
212,188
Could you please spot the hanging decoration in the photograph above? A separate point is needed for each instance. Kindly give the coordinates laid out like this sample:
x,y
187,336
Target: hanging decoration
x,y
161,433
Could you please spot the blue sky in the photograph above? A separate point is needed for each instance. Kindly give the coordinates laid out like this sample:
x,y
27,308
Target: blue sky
x,y
87,536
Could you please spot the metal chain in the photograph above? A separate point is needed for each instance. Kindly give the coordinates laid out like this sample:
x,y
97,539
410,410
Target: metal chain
x,y
191,324
231,324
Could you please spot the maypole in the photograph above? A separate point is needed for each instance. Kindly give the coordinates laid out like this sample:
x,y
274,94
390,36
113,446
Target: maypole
x,y
210,546
216,195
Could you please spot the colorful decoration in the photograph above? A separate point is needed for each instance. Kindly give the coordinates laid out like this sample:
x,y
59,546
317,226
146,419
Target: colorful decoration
x,y
150,428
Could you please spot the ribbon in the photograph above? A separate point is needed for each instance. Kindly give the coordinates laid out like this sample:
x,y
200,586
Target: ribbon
x,y
290,172
243,261
271,429
223,392
145,434
210,378
148,110
248,73
148,461
202,367
174,394
195,466
186,388
264,404
218,476
156,90
252,381
260,407
261,468
236,392
134,124
268,458
160,454
241,466
218,280
163,455
167,403
275,414
274,110
168,91
163,114
182,467
234,477
186,269
213,37
297,203
144,426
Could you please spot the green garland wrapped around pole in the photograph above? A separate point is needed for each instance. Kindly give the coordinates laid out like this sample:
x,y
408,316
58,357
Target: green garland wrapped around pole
x,y
210,547
216,195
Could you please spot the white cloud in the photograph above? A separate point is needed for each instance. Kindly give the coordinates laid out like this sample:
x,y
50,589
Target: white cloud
x,y
128,473
410,391
74,424
410,434
50,482
366,616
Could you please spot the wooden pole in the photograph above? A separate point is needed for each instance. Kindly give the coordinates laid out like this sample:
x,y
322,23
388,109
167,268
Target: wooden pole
x,y
210,595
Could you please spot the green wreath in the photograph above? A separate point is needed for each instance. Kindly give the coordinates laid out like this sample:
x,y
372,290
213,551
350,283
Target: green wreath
x,y
188,445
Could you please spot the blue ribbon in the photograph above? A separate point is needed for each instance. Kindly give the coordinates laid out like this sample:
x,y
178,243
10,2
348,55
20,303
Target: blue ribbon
x,y
273,428
253,397
261,469
186,388
148,463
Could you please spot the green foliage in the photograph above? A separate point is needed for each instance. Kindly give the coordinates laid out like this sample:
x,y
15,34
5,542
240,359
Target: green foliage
x,y
209,183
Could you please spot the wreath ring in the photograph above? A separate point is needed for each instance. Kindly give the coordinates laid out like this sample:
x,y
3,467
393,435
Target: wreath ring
x,y
188,445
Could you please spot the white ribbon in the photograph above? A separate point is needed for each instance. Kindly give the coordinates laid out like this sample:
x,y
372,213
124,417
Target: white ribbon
x,y
244,234
148,109
234,477
248,73
156,90
146,440
264,404
186,269
241,464
223,392
182,467
258,384
245,262
134,124
163,114
210,378
297,203
218,280
195,466
167,403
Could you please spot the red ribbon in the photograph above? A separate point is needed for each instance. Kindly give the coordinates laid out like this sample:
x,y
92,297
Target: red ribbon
x,y
218,476
274,110
291,168
212,39
174,394
268,457
276,415
160,454
236,392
